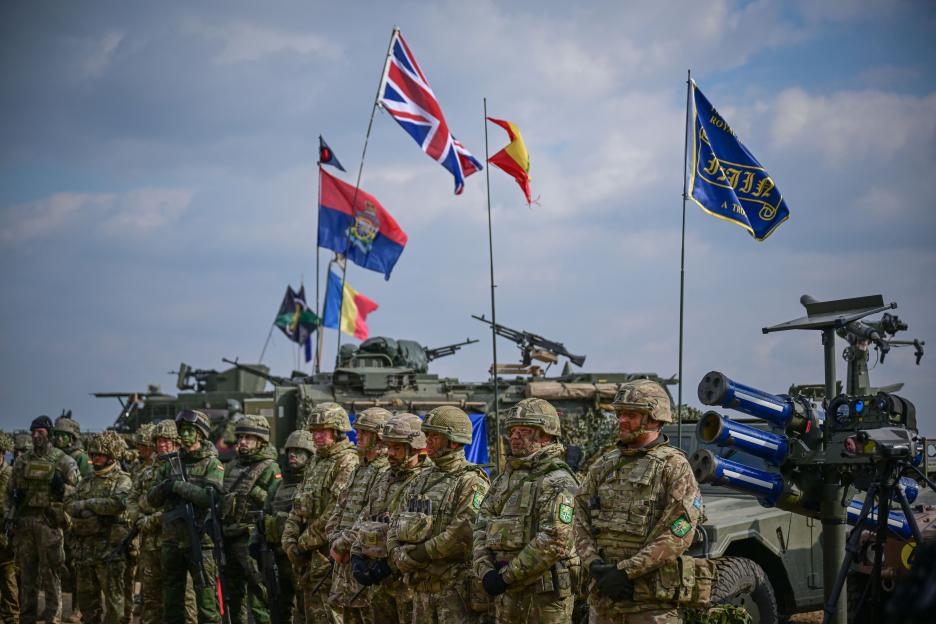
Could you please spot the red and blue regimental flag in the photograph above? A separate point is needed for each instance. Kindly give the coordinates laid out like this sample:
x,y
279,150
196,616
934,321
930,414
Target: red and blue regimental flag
x,y
406,95
357,227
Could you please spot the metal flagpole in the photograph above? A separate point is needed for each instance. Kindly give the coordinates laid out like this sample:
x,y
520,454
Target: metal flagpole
x,y
487,179
682,257
269,335
357,185
318,253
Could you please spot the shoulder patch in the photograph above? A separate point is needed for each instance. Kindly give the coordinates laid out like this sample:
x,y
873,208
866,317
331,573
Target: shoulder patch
x,y
681,526
278,475
476,500
697,502
565,513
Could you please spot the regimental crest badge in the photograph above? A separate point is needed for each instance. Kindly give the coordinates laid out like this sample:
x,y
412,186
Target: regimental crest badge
x,y
681,526
476,500
565,513
365,228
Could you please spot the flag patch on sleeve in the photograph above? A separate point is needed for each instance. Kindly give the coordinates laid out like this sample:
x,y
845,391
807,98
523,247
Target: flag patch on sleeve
x,y
681,526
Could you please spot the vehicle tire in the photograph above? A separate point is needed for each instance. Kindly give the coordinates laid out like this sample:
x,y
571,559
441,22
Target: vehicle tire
x,y
742,582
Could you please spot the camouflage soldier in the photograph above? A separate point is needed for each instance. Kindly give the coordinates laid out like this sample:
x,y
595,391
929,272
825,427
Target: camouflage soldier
x,y
636,513
9,588
523,542
247,479
430,534
391,600
141,470
184,499
41,479
66,436
97,508
22,442
373,461
304,539
299,449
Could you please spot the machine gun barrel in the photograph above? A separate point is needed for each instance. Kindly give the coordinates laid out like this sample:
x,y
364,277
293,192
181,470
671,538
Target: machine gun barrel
x,y
717,389
276,380
528,341
438,352
713,428
767,487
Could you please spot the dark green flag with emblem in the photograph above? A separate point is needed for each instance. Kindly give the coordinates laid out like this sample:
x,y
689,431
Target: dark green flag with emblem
x,y
296,320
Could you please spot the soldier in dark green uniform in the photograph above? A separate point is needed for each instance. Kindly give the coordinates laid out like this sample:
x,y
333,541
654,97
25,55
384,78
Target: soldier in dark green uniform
x,y
9,588
66,436
202,470
99,523
247,479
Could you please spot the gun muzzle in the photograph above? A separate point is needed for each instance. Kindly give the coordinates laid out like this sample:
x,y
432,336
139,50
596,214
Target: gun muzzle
x,y
717,389
713,428
896,521
767,487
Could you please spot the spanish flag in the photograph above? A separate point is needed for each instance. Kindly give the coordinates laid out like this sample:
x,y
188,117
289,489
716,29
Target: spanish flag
x,y
514,159
350,310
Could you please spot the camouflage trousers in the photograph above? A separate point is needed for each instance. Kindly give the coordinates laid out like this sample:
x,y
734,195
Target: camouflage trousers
x,y
9,589
601,610
133,560
177,565
445,606
343,589
39,557
315,603
391,606
149,571
533,607
243,581
101,590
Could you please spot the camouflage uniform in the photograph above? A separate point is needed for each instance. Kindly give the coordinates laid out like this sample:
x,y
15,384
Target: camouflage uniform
x,y
66,436
99,524
339,527
41,479
390,600
637,511
444,588
9,588
202,470
247,479
524,528
304,539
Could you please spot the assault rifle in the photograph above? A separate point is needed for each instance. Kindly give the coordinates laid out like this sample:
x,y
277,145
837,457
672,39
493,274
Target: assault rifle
x,y
438,352
270,570
120,550
533,346
276,380
9,520
186,513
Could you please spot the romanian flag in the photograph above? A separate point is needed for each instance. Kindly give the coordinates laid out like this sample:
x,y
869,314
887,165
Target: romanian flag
x,y
355,225
514,159
352,315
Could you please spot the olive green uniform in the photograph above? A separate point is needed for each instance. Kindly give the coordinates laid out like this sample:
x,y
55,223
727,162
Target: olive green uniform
x,y
9,588
340,531
99,524
41,479
203,470
637,509
325,476
524,530
247,479
444,589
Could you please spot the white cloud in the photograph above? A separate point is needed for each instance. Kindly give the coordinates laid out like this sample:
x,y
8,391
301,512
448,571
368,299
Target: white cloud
x,y
100,52
241,41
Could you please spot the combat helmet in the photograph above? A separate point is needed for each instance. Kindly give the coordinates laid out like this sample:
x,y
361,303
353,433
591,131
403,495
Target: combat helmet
x,y
6,443
329,416
196,418
537,413
451,422
166,429
373,419
300,439
108,443
67,424
645,396
144,435
406,429
253,425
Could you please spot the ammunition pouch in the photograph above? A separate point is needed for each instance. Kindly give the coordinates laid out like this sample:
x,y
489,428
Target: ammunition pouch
x,y
506,534
273,528
686,581
85,527
471,591
373,539
414,527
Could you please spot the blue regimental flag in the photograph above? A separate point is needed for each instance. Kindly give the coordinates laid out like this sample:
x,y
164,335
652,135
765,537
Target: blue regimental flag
x,y
726,180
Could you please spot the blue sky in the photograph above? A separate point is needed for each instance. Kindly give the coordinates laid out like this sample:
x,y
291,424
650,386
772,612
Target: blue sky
x,y
158,183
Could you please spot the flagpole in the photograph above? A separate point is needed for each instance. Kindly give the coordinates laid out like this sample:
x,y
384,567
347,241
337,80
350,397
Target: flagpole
x,y
318,256
269,335
357,185
487,180
682,258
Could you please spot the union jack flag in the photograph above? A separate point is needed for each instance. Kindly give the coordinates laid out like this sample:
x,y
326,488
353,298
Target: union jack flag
x,y
406,95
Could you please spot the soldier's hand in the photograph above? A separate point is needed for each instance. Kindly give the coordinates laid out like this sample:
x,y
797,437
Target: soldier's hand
x,y
295,555
419,553
161,491
598,568
494,584
361,571
338,557
253,548
404,560
74,508
380,570
615,585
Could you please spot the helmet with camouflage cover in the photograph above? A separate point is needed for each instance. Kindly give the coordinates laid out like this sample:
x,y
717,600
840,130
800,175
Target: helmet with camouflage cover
x,y
144,435
6,442
22,442
166,429
329,416
108,443
372,419
197,419
406,429
451,422
300,439
645,396
67,424
253,425
537,413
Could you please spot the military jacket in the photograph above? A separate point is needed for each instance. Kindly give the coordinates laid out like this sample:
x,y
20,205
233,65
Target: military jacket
x,y
101,524
637,508
141,514
340,526
247,480
454,489
278,504
203,470
85,469
34,477
6,550
326,474
525,523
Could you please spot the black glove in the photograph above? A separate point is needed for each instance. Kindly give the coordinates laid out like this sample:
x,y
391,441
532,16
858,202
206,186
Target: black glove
x,y
57,486
598,568
380,570
494,584
161,491
361,571
254,549
614,584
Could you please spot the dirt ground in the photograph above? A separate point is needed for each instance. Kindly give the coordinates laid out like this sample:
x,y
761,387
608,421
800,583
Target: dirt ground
x,y
813,617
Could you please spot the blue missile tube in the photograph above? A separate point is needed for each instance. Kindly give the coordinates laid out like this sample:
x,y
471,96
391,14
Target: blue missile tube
x,y
717,389
709,468
714,428
896,521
